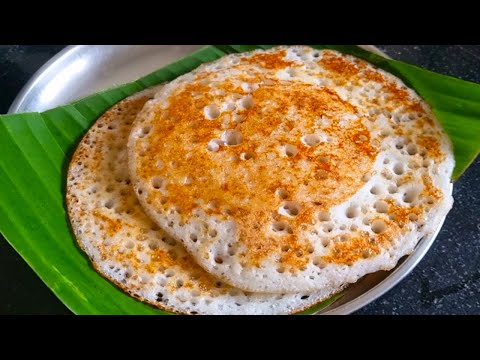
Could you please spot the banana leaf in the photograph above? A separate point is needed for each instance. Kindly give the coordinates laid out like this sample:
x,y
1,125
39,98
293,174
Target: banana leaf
x,y
35,149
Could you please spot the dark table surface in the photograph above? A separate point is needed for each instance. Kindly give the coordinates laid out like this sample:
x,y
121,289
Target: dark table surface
x,y
447,280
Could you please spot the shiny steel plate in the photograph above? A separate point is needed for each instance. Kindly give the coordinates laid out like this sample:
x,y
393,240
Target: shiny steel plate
x,y
81,70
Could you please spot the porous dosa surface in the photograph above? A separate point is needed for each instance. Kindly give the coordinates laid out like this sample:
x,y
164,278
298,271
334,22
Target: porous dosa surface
x,y
291,169
127,248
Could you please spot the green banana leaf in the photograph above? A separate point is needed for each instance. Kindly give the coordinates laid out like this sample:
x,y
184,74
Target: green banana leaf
x,y
35,150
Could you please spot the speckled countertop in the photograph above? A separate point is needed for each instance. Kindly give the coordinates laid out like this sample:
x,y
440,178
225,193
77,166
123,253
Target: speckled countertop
x,y
447,280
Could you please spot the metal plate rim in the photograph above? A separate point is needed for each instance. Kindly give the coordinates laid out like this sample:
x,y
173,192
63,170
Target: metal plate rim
x,y
396,275
39,74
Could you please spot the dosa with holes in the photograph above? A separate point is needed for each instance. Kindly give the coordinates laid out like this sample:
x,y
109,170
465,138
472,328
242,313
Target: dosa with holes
x,y
291,169
126,247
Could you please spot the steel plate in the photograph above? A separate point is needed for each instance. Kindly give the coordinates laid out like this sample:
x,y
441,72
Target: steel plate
x,y
81,70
